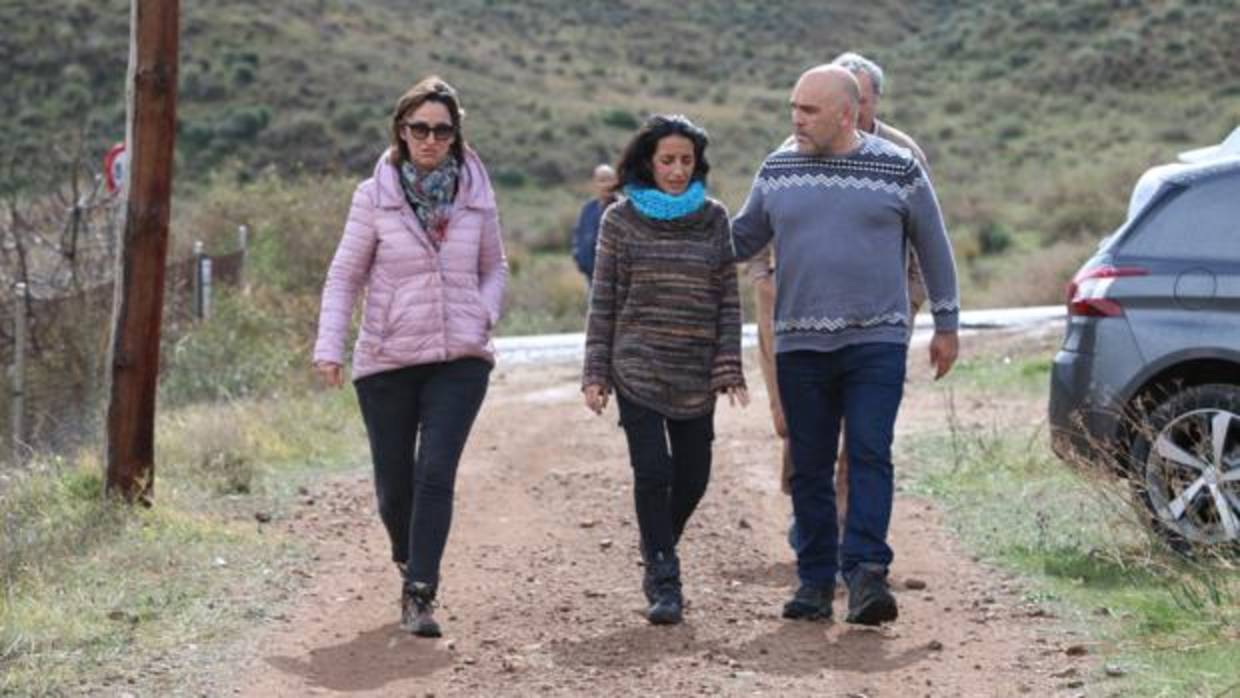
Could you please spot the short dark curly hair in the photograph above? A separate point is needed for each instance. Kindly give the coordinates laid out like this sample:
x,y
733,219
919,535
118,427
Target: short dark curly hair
x,y
635,166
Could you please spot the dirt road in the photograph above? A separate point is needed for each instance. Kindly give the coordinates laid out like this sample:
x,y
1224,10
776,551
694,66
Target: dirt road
x,y
540,592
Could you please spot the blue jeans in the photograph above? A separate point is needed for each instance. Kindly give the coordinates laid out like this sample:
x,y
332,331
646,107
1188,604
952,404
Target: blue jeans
x,y
862,385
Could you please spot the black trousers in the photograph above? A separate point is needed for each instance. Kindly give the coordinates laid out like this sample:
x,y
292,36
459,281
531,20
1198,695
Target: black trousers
x,y
671,468
417,420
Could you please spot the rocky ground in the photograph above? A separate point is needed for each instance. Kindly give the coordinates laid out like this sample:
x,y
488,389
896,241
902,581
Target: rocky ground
x,y
541,596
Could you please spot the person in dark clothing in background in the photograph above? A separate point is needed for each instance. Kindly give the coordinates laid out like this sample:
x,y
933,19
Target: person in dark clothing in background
x,y
585,233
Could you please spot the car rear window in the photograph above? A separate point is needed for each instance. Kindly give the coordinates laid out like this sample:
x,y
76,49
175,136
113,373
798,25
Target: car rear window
x,y
1200,222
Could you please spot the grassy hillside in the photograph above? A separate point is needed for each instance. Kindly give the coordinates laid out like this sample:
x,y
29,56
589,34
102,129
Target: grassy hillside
x,y
1036,116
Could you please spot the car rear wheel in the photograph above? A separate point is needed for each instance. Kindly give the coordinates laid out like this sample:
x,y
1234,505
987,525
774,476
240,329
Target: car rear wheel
x,y
1187,457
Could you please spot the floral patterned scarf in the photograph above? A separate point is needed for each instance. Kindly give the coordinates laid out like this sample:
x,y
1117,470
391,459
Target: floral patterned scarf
x,y
430,194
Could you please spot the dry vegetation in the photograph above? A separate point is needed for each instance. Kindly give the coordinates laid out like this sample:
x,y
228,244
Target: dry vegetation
x,y
1037,118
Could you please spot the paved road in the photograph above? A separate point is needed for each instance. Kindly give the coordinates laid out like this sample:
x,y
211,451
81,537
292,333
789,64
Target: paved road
x,y
567,347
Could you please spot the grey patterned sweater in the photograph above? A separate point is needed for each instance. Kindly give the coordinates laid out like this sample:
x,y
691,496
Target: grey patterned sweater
x,y
664,327
840,227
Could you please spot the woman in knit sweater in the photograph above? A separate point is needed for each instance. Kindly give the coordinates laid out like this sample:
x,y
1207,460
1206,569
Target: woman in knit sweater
x,y
664,331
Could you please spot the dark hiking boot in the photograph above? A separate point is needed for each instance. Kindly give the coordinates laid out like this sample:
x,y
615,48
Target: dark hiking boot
x,y
870,602
648,585
416,608
667,605
810,603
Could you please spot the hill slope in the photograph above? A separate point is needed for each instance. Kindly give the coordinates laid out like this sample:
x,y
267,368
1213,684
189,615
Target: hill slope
x,y
1036,116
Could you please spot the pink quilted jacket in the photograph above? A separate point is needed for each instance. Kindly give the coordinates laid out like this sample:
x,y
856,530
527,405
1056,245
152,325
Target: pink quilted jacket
x,y
422,305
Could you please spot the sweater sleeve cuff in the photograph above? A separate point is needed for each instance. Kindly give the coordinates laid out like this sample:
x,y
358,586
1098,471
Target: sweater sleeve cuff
x,y
589,379
328,355
946,320
726,373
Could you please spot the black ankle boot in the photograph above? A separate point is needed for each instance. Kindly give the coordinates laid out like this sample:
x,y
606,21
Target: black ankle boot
x,y
417,605
647,576
667,605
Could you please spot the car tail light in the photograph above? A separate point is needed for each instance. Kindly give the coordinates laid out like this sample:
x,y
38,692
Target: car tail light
x,y
1087,292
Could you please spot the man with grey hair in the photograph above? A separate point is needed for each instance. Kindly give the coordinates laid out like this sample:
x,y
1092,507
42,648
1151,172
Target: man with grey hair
x,y
841,326
871,81
585,232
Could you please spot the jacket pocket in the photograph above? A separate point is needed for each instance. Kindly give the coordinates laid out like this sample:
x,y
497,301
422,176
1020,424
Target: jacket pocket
x,y
476,299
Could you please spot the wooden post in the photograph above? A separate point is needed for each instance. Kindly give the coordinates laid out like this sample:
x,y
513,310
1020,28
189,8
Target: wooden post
x,y
18,403
139,299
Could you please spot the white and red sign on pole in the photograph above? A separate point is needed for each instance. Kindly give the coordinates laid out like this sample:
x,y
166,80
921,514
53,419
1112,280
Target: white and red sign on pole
x,y
115,168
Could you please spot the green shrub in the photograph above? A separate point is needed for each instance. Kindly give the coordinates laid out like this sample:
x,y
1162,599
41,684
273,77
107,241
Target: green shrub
x,y
621,119
251,346
193,136
295,224
993,238
243,124
510,178
1011,129
348,120
243,75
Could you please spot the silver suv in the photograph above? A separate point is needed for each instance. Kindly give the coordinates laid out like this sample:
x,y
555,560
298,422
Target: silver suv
x,y
1148,379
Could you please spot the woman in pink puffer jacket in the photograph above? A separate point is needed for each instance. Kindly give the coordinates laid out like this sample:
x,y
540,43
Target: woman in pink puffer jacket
x,y
422,242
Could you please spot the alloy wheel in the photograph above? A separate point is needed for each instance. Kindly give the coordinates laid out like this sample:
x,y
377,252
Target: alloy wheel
x,y
1192,476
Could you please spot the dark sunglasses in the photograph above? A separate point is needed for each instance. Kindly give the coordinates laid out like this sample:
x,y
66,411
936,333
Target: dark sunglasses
x,y
420,130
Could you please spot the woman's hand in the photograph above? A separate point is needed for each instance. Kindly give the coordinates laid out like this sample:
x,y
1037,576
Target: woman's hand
x,y
737,393
331,374
596,398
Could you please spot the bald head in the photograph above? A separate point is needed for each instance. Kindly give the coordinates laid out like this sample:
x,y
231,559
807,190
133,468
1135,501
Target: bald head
x,y
830,83
824,110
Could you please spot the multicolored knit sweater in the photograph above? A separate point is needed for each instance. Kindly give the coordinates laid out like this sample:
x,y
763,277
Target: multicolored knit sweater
x,y
665,323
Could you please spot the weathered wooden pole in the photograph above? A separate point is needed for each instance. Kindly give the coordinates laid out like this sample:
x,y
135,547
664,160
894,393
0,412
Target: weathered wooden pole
x,y
139,300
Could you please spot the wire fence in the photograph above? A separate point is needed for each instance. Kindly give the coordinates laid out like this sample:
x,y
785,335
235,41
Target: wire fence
x,y
56,374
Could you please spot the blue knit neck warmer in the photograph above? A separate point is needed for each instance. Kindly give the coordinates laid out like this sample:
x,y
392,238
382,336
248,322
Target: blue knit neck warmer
x,y
652,203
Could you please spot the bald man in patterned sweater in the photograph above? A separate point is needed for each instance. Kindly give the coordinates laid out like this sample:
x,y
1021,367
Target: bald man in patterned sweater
x,y
841,210
871,80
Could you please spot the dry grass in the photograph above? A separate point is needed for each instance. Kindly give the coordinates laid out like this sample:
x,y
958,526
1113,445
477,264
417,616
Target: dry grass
x,y
97,594
1077,534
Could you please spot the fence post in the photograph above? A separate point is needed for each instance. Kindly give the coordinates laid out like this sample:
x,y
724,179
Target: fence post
x,y
196,281
243,241
18,376
202,283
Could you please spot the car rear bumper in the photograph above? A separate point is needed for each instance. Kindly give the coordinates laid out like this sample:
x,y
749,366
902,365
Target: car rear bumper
x,y
1084,427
